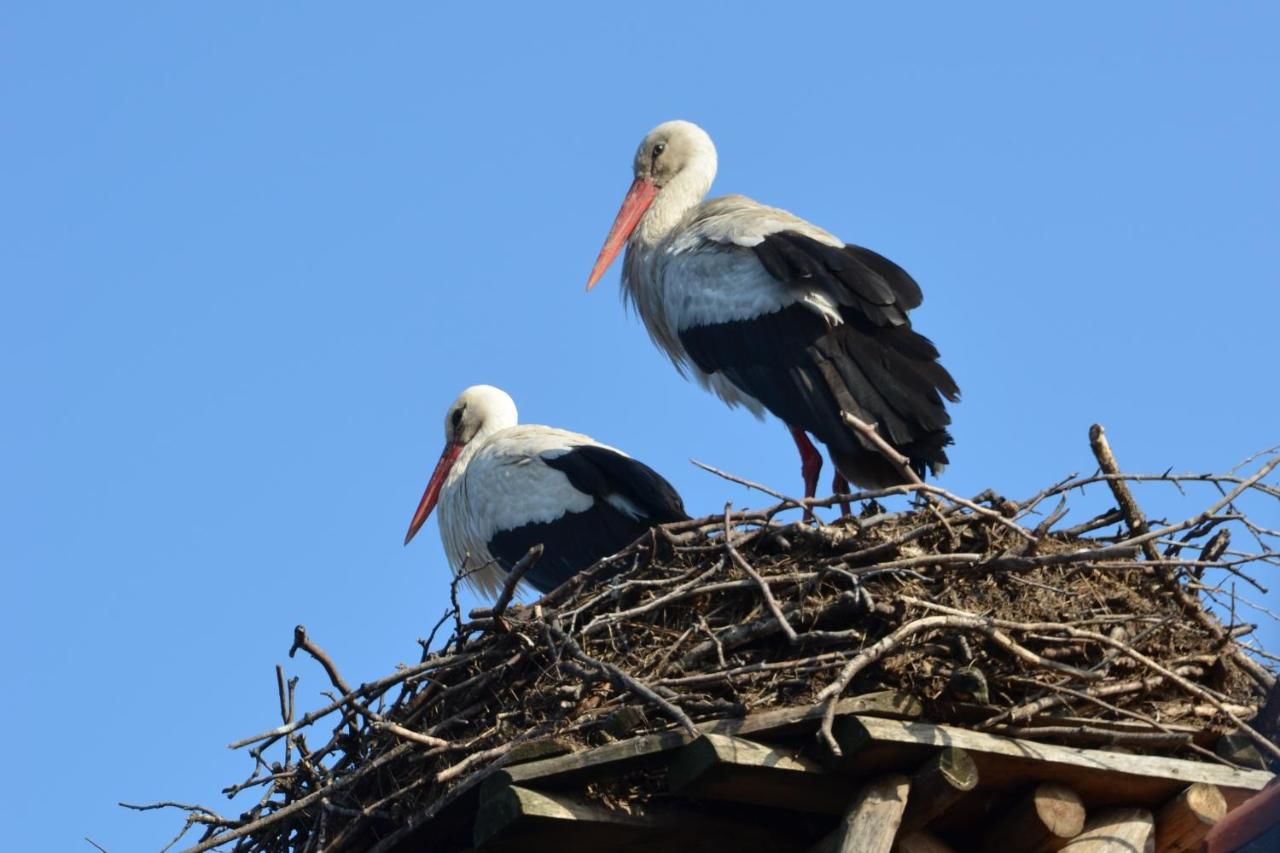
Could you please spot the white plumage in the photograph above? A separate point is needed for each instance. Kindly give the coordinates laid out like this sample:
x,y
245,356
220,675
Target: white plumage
x,y
502,487
774,313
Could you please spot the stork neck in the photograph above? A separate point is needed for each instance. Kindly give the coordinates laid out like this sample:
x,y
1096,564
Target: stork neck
x,y
680,195
490,426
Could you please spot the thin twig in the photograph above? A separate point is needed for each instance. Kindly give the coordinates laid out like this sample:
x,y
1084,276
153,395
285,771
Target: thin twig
x,y
513,580
872,435
741,563
302,641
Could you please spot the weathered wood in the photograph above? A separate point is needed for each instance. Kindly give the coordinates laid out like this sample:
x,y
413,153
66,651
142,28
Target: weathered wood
x,y
521,819
938,785
921,842
638,751
504,808
611,758
1044,820
872,746
534,750
718,767
1115,831
1183,822
870,823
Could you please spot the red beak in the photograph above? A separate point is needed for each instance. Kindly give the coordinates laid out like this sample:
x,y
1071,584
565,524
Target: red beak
x,y
432,494
638,199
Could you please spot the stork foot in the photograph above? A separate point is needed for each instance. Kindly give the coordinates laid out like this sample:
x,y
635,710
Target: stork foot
x,y
810,465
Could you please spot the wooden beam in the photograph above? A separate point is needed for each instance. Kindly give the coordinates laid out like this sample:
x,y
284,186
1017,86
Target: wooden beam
x,y
1115,831
1183,822
1044,820
872,746
608,759
639,751
521,819
871,821
502,810
937,786
718,767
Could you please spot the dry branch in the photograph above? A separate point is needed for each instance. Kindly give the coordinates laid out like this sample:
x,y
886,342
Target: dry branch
x,y
1079,635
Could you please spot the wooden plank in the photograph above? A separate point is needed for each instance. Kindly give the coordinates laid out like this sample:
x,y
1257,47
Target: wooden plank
x,y
502,810
1043,820
872,745
1115,831
718,767
527,821
938,785
609,759
637,752
1183,822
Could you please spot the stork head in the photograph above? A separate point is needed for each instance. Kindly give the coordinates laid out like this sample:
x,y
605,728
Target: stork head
x,y
674,155
479,411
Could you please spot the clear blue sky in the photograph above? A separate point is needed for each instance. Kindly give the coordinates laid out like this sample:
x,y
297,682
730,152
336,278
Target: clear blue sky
x,y
252,251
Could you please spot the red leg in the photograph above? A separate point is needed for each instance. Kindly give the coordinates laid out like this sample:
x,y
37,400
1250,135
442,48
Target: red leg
x,y
810,464
840,486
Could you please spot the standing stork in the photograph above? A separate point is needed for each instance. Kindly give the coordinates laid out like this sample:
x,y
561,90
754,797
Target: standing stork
x,y
771,312
503,488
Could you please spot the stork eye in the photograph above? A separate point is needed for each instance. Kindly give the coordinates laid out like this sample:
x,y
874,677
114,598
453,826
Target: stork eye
x,y
457,418
658,149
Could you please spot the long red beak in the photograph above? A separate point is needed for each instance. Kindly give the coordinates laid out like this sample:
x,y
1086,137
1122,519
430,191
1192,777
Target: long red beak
x,y
638,199
432,494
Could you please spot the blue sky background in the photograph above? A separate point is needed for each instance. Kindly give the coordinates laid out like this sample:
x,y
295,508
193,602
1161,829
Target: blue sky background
x,y
252,251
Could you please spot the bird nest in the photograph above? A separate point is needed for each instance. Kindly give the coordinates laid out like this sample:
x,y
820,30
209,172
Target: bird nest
x,y
984,613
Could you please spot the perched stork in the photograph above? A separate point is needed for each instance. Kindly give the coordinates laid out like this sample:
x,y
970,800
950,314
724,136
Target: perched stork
x,y
503,488
771,312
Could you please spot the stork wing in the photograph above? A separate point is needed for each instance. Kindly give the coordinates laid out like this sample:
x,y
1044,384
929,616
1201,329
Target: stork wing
x,y
834,336
626,484
626,499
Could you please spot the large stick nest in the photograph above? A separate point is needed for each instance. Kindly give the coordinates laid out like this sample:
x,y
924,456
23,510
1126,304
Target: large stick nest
x,y
987,611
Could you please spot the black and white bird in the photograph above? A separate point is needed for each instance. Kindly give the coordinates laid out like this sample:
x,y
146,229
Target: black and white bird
x,y
504,487
773,313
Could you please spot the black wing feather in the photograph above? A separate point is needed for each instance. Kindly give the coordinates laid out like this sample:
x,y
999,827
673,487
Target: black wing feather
x,y
873,365
577,540
601,472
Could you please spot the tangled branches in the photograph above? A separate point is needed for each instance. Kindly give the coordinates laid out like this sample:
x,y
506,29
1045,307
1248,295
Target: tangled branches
x,y
986,610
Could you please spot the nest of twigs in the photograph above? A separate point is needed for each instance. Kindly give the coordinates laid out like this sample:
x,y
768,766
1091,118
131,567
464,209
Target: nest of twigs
x,y
987,611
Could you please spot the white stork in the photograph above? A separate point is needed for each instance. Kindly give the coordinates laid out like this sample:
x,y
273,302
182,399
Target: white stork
x,y
771,312
503,488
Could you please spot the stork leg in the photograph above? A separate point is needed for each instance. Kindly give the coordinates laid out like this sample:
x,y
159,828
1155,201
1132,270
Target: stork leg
x,y
840,486
810,464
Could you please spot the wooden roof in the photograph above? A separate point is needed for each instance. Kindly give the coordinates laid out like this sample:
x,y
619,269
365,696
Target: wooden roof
x,y
764,782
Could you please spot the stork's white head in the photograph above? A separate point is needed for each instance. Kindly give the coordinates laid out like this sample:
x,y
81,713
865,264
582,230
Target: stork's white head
x,y
479,411
674,167
670,149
